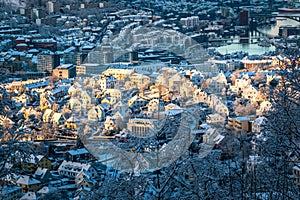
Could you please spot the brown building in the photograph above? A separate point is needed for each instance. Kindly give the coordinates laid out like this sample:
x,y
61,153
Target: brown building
x,y
240,123
28,184
44,44
65,71
244,18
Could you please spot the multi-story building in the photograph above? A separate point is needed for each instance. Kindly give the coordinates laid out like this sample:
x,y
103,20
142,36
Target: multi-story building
x,y
74,58
44,44
47,61
119,74
244,18
65,71
90,69
240,123
140,127
72,169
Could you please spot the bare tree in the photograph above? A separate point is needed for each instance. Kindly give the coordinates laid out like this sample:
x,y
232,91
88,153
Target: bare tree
x,y
279,144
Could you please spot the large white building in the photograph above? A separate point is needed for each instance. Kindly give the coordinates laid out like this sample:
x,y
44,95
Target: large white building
x,y
72,169
90,69
140,127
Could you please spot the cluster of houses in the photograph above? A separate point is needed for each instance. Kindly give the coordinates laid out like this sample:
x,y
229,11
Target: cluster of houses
x,y
123,100
129,99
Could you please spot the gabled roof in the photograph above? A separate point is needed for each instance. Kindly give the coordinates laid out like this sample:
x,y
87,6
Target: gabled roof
x,y
46,190
48,112
78,151
27,180
73,119
57,116
41,172
34,159
29,196
73,166
172,106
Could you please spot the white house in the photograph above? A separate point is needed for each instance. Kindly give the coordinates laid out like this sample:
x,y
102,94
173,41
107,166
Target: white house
x,y
200,96
215,119
72,169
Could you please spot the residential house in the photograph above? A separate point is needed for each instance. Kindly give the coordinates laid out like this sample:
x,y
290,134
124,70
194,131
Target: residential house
x,y
29,196
77,155
107,82
46,103
114,93
187,89
175,83
264,106
72,90
33,162
48,115
58,119
95,114
215,119
45,190
155,105
5,121
296,174
216,104
86,99
75,104
119,74
200,96
217,83
60,91
140,79
110,124
90,82
71,123
258,124
85,179
23,98
239,85
28,183
72,169
42,174
136,102
107,100
27,111
222,109
250,93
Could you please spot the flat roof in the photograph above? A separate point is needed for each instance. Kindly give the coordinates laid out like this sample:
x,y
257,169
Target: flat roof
x,y
65,66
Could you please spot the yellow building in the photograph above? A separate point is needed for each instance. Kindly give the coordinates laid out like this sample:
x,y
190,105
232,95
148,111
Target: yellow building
x,y
65,71
71,123
119,74
33,162
240,123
